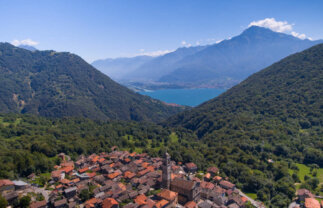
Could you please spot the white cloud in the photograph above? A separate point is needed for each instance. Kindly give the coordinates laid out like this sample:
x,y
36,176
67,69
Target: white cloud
x,y
298,35
278,26
24,42
186,44
271,23
154,53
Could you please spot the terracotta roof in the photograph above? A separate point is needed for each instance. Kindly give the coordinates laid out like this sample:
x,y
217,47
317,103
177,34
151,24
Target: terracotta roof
x,y
91,175
302,192
109,202
208,176
129,174
161,203
311,203
167,194
217,178
244,199
6,182
213,170
182,183
92,202
227,184
83,170
65,181
207,185
190,204
101,160
141,199
67,169
113,175
190,165
56,174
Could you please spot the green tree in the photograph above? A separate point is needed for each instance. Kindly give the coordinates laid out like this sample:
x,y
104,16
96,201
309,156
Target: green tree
x,y
24,202
3,202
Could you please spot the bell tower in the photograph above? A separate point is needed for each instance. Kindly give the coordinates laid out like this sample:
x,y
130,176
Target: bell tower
x,y
166,175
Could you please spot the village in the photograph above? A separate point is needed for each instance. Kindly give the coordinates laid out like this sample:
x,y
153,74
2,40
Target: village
x,y
131,180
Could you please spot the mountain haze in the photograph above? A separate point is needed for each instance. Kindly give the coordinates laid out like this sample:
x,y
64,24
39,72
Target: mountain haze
x,y
53,84
120,67
219,65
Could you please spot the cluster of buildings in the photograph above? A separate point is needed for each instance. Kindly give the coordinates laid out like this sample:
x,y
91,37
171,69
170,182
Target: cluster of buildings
x,y
130,180
307,200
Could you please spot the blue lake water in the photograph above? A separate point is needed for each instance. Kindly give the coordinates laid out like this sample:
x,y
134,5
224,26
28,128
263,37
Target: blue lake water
x,y
189,97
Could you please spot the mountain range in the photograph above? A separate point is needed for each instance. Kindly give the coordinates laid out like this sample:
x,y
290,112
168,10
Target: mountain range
x,y
52,84
219,65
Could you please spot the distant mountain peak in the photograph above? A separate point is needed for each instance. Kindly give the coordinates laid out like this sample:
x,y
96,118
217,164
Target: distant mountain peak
x,y
28,47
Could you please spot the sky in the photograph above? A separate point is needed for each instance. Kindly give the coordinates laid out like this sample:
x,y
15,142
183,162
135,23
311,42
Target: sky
x,y
97,29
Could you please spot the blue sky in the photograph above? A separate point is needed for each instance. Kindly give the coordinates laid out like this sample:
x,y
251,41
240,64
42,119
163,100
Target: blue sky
x,y
97,29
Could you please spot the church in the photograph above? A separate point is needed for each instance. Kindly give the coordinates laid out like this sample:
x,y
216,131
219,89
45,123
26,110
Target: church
x,y
187,190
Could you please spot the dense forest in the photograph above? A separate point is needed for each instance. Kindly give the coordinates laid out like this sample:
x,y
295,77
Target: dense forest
x,y
53,84
30,144
278,110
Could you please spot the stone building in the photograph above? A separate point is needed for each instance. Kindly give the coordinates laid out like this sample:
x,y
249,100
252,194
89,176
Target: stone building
x,y
166,168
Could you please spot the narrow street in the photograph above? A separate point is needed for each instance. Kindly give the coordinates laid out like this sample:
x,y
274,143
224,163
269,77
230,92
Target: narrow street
x,y
253,202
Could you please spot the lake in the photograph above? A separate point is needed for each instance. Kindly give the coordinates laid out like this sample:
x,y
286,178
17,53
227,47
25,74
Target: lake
x,y
189,97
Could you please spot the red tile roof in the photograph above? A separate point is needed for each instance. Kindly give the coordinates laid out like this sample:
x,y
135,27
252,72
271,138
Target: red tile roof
x,y
109,202
213,170
91,175
141,199
129,174
190,165
6,182
67,169
113,175
190,204
311,203
167,194
161,203
83,170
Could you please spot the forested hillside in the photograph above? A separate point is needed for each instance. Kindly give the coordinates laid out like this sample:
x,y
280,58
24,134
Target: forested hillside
x,y
278,110
53,84
30,144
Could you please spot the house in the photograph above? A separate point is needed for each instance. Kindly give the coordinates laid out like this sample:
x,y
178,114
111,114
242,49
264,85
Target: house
x,y
110,203
10,196
57,175
213,171
311,203
38,204
190,204
302,194
191,167
19,185
6,186
227,185
170,196
61,203
161,204
187,190
70,192
141,199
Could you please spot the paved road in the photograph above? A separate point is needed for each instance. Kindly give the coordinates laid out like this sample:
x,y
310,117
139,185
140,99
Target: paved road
x,y
44,192
253,202
292,205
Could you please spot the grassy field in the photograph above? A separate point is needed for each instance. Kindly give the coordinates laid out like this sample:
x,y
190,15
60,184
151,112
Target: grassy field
x,y
252,195
305,170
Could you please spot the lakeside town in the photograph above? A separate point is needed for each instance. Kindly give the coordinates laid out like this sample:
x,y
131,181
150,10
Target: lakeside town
x,y
131,180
